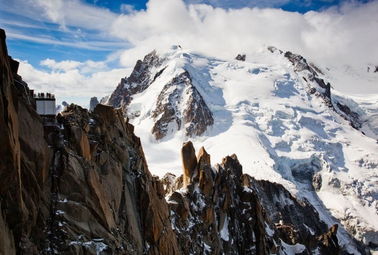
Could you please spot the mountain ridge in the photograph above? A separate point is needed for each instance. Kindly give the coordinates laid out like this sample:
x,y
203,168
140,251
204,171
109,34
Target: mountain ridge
x,y
82,186
280,115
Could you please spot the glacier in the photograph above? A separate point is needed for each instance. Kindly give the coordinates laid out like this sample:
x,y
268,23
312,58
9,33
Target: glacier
x,y
275,117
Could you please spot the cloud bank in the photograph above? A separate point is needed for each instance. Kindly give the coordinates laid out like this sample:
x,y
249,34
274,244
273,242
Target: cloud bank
x,y
72,81
341,35
338,35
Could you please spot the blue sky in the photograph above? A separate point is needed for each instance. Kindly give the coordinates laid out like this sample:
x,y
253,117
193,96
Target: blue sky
x,y
86,46
35,51
115,5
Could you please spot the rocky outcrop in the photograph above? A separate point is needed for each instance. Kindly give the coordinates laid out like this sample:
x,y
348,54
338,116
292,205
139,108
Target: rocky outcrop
x,y
25,158
223,211
328,241
241,57
92,103
319,87
189,162
81,186
138,81
180,105
10,189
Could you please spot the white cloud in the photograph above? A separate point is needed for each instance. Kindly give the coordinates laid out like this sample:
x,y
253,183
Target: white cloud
x,y
71,79
89,45
345,35
70,23
63,12
87,67
337,36
127,8
60,66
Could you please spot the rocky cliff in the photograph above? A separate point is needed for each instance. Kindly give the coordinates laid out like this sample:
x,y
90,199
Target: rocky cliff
x,y
25,183
220,210
319,87
81,185
139,80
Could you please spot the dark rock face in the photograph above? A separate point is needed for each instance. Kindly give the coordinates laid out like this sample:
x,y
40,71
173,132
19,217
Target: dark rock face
x,y
321,88
92,104
81,187
139,80
23,179
328,241
240,57
354,117
197,115
181,105
223,211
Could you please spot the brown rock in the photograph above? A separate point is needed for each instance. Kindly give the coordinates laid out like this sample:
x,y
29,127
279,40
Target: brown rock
x,y
168,182
10,169
245,180
189,162
232,165
105,113
99,194
158,186
24,158
206,182
85,147
64,203
208,216
288,233
328,242
203,159
180,206
6,238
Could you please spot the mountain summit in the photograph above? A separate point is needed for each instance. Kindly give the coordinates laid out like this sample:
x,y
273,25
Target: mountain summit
x,y
178,106
277,111
78,183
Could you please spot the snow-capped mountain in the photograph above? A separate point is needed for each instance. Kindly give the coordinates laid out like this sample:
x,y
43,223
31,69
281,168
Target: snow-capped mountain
x,y
179,104
277,112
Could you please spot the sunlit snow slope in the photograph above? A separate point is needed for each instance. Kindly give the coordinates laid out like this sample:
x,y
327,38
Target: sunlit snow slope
x,y
265,113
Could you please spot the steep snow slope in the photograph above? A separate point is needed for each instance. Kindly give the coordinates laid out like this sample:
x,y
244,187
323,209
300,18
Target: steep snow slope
x,y
281,125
